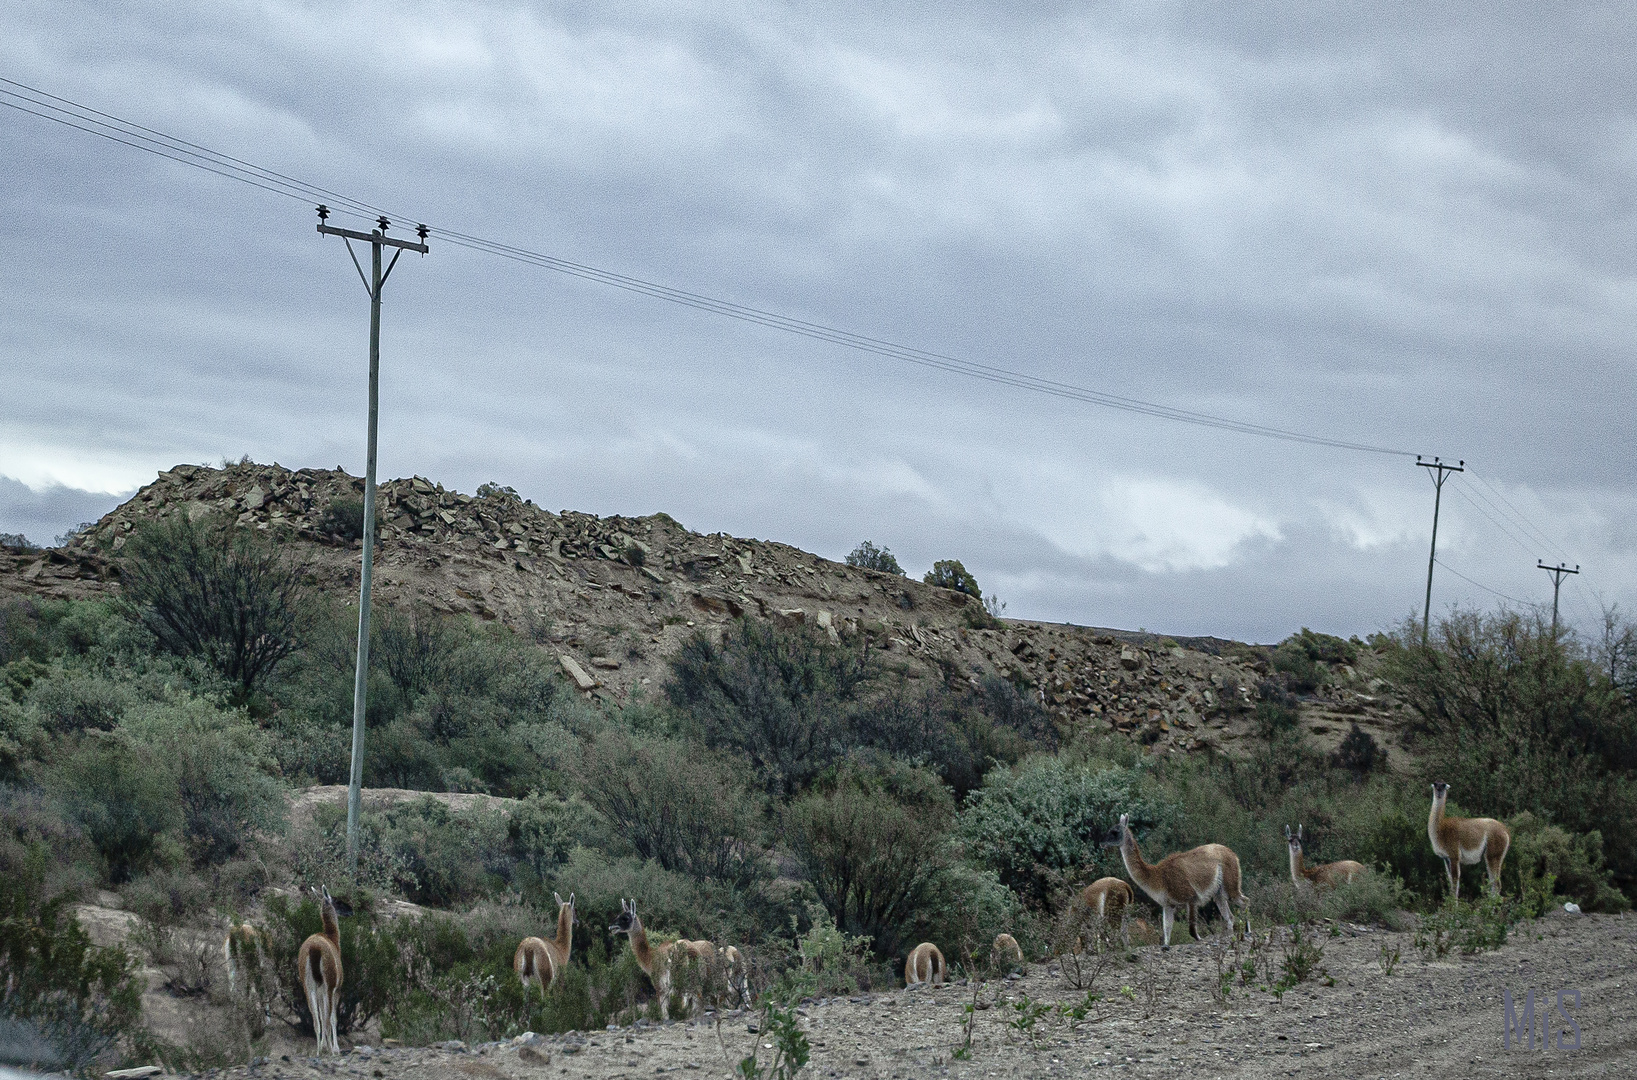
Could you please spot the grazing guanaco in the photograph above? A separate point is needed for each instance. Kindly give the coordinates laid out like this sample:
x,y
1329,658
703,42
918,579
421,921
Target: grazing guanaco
x,y
924,966
538,960
1110,899
660,962
1183,879
1006,953
1466,840
318,965
1322,876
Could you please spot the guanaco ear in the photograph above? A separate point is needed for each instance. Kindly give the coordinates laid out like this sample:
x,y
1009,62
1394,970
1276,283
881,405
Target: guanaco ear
x,y
557,899
1287,832
1298,832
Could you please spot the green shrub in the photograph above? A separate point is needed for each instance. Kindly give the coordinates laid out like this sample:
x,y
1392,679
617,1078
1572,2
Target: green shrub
x,y
343,516
544,829
122,796
1542,851
950,574
77,1001
1514,723
1469,927
1372,897
869,840
446,857
220,760
76,702
675,803
870,557
1040,822
210,590
1359,753
777,697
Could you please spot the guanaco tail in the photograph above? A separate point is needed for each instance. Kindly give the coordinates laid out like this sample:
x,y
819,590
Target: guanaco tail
x,y
1322,876
318,966
539,961
1466,840
1183,879
925,966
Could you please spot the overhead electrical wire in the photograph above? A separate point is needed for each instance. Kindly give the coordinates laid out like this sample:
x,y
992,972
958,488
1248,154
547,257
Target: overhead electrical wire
x,y
1481,585
36,102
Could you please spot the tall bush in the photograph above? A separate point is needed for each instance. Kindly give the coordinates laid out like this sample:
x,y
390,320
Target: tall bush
x,y
1040,822
209,589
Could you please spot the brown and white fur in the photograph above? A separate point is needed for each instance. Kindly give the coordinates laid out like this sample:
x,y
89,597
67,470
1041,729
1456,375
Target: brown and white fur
x,y
318,965
1323,876
1006,954
1110,899
244,951
537,960
1183,879
1466,840
925,966
660,962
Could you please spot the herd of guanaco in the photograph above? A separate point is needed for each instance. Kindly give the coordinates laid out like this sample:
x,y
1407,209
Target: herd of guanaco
x,y
1182,881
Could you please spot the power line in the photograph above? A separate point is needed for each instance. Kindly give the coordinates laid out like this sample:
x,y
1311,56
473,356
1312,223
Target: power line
x,y
1481,585
83,118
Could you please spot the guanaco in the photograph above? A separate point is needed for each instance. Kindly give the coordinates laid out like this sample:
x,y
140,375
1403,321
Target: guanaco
x,y
538,960
1183,879
1322,876
1110,899
1466,840
318,965
1005,953
924,966
659,962
244,950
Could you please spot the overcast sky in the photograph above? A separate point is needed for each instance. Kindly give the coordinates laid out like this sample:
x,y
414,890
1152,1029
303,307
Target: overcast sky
x,y
1410,231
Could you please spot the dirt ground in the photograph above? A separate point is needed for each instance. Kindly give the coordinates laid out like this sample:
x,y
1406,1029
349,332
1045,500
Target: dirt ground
x,y
1440,1018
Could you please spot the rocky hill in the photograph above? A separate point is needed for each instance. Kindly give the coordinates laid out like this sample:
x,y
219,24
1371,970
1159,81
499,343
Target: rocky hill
x,y
613,598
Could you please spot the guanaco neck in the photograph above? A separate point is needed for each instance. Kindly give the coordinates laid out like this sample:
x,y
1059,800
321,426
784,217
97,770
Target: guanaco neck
x,y
565,928
1298,865
332,928
1140,871
639,946
1435,822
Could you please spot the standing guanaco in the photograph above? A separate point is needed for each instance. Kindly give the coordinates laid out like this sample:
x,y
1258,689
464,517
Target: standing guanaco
x,y
318,965
1183,879
1466,840
1322,876
538,960
924,966
659,962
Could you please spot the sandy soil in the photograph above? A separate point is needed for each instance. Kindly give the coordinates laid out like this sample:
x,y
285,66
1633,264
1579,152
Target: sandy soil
x,y
1443,1018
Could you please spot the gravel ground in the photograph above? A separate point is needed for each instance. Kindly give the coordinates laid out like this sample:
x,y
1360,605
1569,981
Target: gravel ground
x,y
1444,1015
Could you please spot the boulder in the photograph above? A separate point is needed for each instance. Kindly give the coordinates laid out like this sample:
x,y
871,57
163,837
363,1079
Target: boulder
x,y
574,671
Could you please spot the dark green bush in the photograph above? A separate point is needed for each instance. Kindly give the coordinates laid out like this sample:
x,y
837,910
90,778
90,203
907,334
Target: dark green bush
x,y
80,1001
75,702
776,697
220,761
869,839
1359,753
1040,822
870,557
344,517
210,590
1541,851
1514,723
950,574
677,804
123,797
544,829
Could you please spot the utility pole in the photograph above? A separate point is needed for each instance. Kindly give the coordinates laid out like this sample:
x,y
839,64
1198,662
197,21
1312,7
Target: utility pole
x,y
1558,572
1439,472
376,239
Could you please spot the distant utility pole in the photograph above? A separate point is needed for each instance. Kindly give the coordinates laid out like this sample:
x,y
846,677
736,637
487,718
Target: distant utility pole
x,y
1440,473
1557,573
376,239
